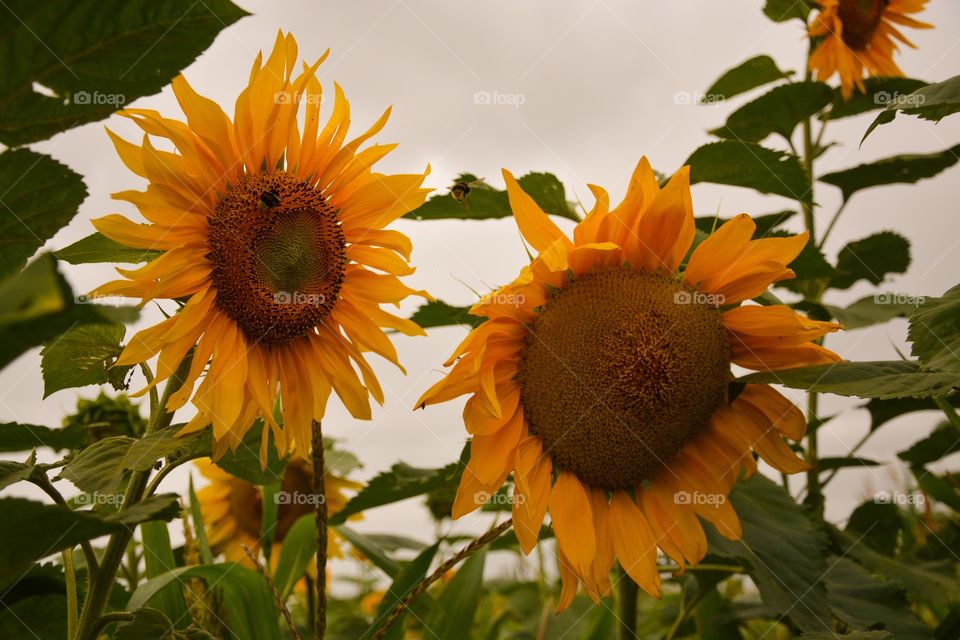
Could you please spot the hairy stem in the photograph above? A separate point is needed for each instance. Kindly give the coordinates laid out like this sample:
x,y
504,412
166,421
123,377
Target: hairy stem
x,y
440,571
100,587
627,607
320,500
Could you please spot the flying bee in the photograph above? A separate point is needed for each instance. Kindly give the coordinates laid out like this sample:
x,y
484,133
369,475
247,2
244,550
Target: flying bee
x,y
461,188
268,200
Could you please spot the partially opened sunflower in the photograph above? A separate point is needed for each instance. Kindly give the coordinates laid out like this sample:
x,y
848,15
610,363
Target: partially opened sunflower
x,y
233,511
273,238
859,37
601,379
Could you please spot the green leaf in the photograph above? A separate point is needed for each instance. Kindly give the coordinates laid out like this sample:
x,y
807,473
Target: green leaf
x,y
23,437
457,604
12,472
143,453
44,529
932,102
871,310
878,524
783,550
40,196
745,164
369,548
299,546
484,202
939,488
747,75
96,57
97,248
865,603
766,223
438,313
783,10
829,464
97,469
150,624
199,528
158,559
400,483
82,356
811,267
244,461
873,258
916,576
880,92
941,442
935,332
882,411
902,169
778,111
405,581
36,305
878,379
856,635
251,615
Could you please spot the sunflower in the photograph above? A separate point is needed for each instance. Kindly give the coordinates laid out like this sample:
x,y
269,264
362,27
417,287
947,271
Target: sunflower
x,y
600,378
273,240
858,36
233,512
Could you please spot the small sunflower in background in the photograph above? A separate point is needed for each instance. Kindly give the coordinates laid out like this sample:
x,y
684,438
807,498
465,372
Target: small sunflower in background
x,y
232,509
274,240
601,379
858,37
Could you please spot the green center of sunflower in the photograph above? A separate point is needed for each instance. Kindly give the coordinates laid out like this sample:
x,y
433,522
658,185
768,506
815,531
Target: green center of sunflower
x,y
278,257
620,370
860,19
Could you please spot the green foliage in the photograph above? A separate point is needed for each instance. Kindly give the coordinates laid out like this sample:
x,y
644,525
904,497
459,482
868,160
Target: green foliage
x,y
778,111
483,201
783,10
99,248
404,581
879,93
244,461
745,164
457,605
872,259
83,356
251,614
40,196
907,168
935,332
44,529
95,57
158,559
880,379
437,313
783,550
747,75
933,102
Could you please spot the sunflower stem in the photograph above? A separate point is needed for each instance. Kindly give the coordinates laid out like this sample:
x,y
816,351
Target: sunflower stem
x,y
319,492
627,614
948,411
401,606
90,618
70,577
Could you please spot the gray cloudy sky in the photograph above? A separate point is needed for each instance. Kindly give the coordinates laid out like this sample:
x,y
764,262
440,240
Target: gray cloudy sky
x,y
581,89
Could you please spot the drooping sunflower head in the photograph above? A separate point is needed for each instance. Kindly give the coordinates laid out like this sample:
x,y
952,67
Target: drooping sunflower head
x,y
600,379
232,508
854,38
272,235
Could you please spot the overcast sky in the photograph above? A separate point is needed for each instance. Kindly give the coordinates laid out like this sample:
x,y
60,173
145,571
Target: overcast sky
x,y
585,88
